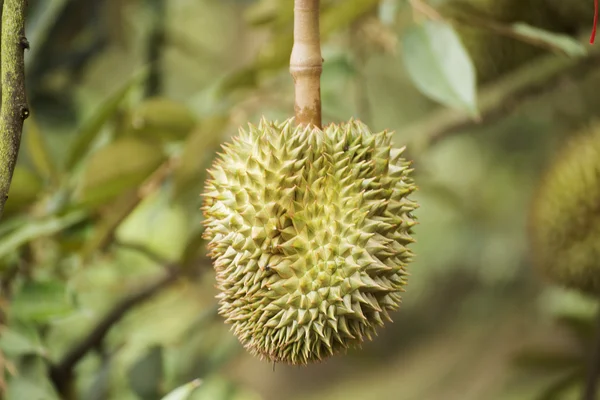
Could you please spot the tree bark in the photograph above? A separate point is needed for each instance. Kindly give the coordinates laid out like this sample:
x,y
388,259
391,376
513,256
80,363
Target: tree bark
x,y
14,102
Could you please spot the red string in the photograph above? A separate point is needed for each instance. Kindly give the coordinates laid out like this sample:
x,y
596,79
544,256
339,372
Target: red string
x,y
593,37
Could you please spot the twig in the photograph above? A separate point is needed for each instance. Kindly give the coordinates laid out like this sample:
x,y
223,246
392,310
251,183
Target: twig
x,y
142,249
590,391
306,63
62,372
501,98
14,101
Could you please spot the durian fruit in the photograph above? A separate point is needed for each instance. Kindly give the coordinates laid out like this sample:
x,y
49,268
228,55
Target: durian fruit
x,y
494,54
309,231
565,218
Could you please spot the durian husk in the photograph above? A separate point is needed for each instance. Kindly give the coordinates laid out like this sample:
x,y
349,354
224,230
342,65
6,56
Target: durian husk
x,y
309,232
565,217
494,54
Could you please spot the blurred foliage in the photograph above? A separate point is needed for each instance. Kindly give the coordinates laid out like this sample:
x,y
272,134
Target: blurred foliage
x,y
105,198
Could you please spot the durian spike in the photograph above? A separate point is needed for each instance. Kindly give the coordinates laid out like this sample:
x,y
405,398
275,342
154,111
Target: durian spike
x,y
306,63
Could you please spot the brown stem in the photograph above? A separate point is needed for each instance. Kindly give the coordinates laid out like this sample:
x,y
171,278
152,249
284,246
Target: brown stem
x,y
14,102
306,63
590,390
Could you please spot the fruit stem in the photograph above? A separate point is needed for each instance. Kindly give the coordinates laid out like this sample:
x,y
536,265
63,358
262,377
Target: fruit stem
x,y
591,382
306,63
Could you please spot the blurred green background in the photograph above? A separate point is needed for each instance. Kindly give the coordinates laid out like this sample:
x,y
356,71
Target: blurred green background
x,y
130,101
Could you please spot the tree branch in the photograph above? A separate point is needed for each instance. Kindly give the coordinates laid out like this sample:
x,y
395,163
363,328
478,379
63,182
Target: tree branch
x,y
306,63
62,372
14,101
501,97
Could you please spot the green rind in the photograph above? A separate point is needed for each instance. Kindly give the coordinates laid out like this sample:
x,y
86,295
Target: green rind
x,y
309,231
565,218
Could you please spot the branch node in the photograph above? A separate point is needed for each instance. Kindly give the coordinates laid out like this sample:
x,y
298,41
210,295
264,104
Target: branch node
x,y
24,43
24,112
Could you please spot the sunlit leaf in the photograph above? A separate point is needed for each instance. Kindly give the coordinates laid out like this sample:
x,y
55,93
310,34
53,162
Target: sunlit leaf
x,y
25,388
162,119
159,225
38,228
439,65
388,10
14,343
146,375
39,152
93,126
119,166
42,301
561,43
183,392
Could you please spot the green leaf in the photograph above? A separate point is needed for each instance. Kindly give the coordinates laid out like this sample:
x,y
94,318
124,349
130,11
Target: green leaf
x,y
25,188
15,344
37,228
580,326
184,392
556,389
119,166
195,155
341,14
42,301
146,375
100,386
162,119
439,65
263,12
39,153
194,248
561,43
25,388
40,22
93,126
32,381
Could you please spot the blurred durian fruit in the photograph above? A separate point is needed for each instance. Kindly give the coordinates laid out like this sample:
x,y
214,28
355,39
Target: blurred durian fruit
x,y
565,218
494,54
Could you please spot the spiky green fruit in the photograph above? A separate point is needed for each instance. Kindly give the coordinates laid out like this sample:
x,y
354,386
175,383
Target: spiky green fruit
x,y
309,231
565,218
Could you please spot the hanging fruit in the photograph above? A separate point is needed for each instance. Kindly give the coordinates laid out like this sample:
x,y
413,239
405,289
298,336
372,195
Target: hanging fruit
x,y
308,226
